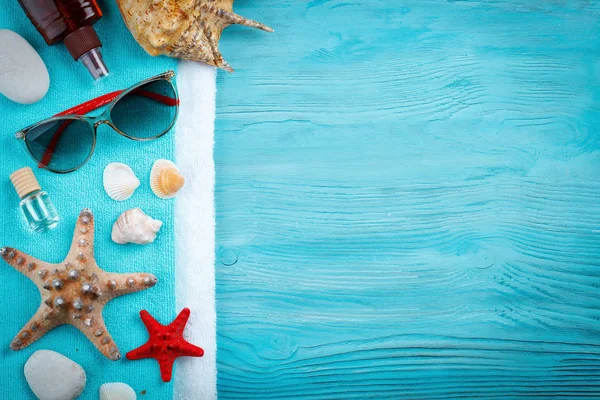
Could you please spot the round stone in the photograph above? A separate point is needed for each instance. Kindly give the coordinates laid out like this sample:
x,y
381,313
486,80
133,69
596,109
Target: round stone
x,y
52,376
23,75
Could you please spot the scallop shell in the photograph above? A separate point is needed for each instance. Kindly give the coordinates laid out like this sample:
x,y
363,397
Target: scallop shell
x,y
117,391
119,181
165,179
186,29
134,226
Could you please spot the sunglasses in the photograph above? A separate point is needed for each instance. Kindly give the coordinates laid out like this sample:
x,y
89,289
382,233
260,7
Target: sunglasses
x,y
65,142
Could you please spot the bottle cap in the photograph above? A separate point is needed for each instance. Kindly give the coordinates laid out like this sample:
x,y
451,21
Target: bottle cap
x,y
84,45
81,41
24,181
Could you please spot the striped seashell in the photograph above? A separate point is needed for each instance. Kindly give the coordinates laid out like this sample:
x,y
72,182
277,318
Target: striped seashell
x,y
165,179
117,391
119,181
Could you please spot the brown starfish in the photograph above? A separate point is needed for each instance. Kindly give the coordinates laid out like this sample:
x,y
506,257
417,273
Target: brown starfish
x,y
75,291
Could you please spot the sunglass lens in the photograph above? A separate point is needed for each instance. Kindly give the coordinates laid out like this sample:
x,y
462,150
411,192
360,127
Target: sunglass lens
x,y
61,145
146,112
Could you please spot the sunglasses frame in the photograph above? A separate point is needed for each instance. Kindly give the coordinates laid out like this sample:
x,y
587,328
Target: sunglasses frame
x,y
104,118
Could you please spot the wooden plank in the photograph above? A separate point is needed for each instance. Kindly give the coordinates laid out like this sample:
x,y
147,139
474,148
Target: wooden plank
x,y
408,200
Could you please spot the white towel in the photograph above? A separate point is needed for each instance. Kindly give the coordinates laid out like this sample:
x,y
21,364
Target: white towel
x,y
196,378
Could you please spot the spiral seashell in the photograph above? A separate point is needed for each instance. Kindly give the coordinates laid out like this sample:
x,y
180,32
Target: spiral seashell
x,y
134,226
186,29
119,181
117,391
165,179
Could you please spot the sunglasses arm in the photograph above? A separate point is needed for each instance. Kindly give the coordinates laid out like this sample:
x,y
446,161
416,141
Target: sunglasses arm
x,y
107,98
91,105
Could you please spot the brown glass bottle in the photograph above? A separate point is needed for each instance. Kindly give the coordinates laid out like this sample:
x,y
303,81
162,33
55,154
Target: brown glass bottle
x,y
70,21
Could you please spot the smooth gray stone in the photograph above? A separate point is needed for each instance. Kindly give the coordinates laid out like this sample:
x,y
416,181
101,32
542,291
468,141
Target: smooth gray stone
x,y
23,75
52,376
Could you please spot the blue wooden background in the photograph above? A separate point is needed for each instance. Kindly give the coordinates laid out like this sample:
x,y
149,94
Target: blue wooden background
x,y
408,200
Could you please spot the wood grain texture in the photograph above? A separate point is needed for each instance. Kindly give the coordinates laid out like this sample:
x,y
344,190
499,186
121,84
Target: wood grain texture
x,y
408,201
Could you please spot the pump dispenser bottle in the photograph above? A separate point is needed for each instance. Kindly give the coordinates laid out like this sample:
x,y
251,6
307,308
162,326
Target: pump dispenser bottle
x,y
70,22
35,204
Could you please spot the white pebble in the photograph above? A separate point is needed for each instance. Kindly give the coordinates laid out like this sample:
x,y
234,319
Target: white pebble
x,y
52,376
23,75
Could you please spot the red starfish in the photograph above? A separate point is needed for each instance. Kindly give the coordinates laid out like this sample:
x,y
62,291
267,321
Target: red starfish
x,y
166,343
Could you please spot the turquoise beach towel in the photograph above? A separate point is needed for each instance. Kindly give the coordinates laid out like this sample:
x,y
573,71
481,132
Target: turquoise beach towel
x,y
71,85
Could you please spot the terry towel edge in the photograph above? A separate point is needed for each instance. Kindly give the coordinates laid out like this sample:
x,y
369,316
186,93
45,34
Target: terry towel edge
x,y
196,378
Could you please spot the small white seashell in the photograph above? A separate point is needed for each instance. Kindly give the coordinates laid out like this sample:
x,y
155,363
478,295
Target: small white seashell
x,y
117,391
52,376
133,226
119,181
165,179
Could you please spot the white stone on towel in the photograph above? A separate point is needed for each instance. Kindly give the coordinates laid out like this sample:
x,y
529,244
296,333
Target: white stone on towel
x,y
23,75
52,376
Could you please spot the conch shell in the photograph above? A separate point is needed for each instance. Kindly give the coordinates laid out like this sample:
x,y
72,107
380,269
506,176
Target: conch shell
x,y
186,29
134,226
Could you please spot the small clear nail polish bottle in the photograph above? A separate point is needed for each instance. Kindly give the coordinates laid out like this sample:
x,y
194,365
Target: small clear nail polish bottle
x,y
35,204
